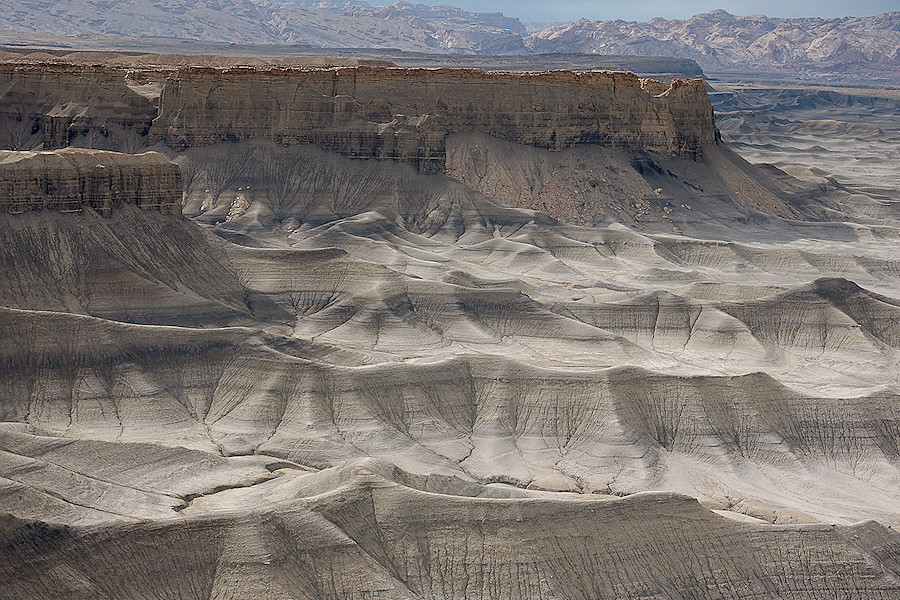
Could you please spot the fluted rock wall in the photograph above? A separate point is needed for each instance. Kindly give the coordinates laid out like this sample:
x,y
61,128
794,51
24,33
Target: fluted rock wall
x,y
70,179
406,114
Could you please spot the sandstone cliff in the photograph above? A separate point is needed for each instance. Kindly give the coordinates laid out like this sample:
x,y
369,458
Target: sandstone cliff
x,y
406,114
70,179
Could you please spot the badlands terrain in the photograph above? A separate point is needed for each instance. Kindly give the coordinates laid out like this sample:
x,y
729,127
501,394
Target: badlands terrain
x,y
835,135
370,332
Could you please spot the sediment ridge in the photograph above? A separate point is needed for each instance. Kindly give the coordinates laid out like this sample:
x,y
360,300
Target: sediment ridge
x,y
72,178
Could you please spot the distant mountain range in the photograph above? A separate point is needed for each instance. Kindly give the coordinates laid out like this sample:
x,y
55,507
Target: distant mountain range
x,y
323,24
716,40
720,41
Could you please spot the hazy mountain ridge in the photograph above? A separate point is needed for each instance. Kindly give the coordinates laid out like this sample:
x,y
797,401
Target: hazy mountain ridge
x,y
442,14
403,25
451,14
863,46
720,41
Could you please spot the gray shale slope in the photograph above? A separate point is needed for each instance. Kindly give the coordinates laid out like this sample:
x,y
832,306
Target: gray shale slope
x,y
604,369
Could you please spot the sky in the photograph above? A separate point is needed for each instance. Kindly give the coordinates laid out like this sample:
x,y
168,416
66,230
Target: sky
x,y
643,10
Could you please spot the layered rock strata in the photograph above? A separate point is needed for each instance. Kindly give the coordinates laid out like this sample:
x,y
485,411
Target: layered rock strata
x,y
360,112
59,105
407,114
70,179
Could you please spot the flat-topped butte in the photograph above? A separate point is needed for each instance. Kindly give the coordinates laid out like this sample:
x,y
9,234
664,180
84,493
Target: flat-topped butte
x,y
360,112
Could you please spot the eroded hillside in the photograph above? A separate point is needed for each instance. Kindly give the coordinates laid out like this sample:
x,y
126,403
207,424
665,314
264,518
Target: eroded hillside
x,y
555,367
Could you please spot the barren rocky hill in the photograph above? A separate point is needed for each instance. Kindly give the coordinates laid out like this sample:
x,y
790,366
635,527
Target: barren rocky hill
x,y
554,367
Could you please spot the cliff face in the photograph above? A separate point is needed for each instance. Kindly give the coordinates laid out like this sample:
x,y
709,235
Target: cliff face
x,y
62,105
360,112
69,179
406,114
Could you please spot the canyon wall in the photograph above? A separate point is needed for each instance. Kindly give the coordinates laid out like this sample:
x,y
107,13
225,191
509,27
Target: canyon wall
x,y
407,114
70,179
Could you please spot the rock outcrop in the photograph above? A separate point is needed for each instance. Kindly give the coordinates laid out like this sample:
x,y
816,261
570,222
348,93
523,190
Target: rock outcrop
x,y
362,381
406,114
70,179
